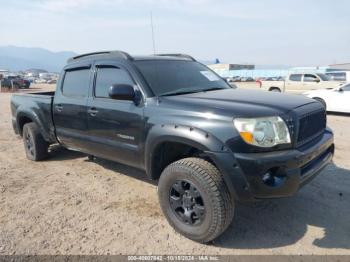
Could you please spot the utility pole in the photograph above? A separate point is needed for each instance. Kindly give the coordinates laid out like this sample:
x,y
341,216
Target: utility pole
x,y
153,40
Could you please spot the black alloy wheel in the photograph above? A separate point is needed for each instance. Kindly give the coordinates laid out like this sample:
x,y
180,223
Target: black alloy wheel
x,y
187,202
29,144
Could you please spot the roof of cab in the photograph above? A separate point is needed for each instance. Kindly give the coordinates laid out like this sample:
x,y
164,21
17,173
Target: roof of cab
x,y
120,55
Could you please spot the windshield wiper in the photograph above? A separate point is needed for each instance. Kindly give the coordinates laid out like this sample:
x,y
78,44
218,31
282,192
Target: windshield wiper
x,y
181,91
178,93
212,89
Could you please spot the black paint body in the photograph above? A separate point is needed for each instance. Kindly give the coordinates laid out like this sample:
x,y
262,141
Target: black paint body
x,y
130,132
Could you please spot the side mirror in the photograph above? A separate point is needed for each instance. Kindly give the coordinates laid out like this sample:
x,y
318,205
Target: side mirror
x,y
317,80
338,89
122,92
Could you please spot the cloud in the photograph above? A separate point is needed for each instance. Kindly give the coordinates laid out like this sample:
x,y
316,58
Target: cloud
x,y
241,30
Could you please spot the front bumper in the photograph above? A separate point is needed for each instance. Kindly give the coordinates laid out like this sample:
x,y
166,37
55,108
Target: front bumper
x,y
275,174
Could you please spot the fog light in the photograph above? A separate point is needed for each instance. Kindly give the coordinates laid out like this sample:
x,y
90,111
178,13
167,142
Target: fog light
x,y
273,178
268,179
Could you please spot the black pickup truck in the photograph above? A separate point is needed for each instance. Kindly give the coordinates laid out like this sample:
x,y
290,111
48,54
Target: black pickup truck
x,y
208,144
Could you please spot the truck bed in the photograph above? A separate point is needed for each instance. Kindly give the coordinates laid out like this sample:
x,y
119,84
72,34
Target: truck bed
x,y
36,107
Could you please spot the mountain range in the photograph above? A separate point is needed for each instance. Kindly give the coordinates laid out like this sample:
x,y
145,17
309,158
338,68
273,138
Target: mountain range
x,y
16,58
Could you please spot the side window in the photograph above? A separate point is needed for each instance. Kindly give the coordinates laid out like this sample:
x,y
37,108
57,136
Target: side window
x,y
108,76
295,77
76,83
310,78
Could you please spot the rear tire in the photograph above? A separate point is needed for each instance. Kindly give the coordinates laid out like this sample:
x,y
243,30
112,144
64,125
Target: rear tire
x,y
195,199
35,146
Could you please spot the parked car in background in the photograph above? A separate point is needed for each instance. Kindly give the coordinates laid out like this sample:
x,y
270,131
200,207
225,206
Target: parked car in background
x,y
40,81
247,79
52,81
300,82
15,81
343,76
236,79
271,79
335,99
231,79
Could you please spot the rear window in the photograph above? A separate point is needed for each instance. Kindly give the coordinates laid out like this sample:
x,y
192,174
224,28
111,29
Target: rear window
x,y
76,83
323,77
295,77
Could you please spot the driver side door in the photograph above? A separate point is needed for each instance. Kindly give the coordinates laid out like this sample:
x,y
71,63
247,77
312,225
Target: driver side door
x,y
311,82
115,126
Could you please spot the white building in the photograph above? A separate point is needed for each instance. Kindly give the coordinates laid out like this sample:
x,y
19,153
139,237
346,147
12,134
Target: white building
x,y
3,72
341,67
48,76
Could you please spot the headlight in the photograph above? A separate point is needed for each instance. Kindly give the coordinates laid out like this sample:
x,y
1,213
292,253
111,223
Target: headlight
x,y
263,132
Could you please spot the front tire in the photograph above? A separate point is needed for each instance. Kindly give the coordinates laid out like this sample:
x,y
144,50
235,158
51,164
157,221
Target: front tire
x,y
35,146
195,199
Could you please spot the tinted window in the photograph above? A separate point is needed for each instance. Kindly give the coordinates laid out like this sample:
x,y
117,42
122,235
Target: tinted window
x,y
171,77
346,87
108,76
310,78
76,83
323,77
295,77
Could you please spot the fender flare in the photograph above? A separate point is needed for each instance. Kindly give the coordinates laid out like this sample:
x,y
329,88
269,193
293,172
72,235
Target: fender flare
x,y
187,135
209,144
35,118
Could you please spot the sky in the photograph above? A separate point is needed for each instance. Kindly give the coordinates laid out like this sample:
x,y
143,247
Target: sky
x,y
262,32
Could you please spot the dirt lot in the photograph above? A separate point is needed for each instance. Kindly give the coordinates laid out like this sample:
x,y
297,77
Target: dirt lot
x,y
68,205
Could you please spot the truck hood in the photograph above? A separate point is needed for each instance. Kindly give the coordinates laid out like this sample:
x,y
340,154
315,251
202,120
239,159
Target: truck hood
x,y
237,102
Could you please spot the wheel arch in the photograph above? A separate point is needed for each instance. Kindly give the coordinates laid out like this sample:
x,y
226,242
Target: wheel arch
x,y
23,117
189,140
275,88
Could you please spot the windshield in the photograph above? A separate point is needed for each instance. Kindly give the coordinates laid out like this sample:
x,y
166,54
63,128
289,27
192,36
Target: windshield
x,y
324,77
174,77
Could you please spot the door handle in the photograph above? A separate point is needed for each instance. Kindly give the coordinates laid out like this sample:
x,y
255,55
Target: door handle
x,y
59,108
93,111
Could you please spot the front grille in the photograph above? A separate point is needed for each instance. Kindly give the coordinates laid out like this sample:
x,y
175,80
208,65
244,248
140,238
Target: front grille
x,y
311,126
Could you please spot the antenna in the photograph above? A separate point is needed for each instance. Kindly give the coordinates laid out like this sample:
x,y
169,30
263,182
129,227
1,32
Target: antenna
x,y
153,41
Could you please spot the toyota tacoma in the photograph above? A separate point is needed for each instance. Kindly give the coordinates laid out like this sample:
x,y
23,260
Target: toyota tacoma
x,y
208,145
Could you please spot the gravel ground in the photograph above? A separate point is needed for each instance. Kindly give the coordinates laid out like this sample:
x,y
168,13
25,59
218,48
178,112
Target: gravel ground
x,y
68,205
